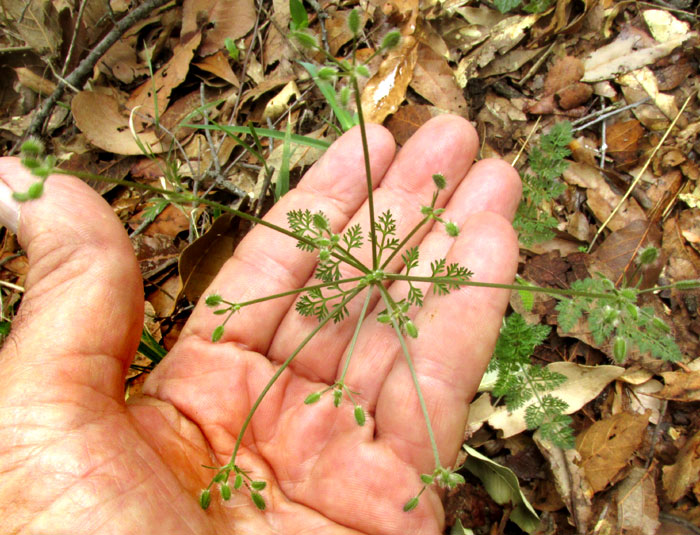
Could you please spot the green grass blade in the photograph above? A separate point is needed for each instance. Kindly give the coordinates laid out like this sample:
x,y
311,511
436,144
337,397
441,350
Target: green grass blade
x,y
275,134
344,118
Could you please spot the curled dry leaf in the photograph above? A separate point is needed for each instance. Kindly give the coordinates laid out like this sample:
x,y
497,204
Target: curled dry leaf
x,y
218,65
679,477
637,505
386,90
564,72
223,19
99,118
433,79
165,79
607,446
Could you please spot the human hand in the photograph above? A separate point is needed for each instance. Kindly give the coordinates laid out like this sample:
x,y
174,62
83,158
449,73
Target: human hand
x,y
76,459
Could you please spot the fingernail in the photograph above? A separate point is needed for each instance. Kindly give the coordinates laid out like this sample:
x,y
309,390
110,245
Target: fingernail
x,y
9,208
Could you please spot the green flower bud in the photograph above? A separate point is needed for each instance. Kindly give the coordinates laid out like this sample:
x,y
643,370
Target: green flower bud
x,y
452,229
345,96
225,491
32,147
217,334
648,255
440,181
312,398
427,479
213,300
620,349
221,476
238,481
306,40
411,329
326,73
320,221
359,415
632,311
258,500
31,163
258,485
35,190
337,397
354,21
205,499
384,318
411,504
391,39
362,70
324,254
689,284
454,479
221,311
661,325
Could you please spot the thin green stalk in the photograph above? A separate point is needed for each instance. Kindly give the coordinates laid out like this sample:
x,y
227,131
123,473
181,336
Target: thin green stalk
x,y
295,291
405,241
279,372
368,172
351,347
539,289
391,305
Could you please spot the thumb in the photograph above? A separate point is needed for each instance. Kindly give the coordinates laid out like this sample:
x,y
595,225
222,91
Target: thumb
x,y
81,314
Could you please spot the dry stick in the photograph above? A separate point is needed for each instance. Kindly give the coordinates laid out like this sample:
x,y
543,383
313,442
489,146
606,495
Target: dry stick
x,y
641,172
81,73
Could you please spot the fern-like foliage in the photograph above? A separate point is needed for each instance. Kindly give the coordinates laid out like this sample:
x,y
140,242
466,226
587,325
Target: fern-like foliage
x,y
613,315
521,383
385,227
547,164
448,277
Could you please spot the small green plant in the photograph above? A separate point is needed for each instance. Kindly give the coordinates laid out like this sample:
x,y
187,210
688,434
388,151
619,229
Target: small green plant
x,y
547,163
612,313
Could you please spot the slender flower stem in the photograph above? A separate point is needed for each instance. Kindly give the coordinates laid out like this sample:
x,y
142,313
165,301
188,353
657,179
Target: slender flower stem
x,y
368,172
351,347
536,289
403,243
391,305
279,372
295,291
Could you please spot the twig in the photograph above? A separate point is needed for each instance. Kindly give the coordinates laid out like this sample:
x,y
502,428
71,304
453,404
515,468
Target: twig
x,y
76,26
11,286
602,116
534,128
640,173
603,144
80,74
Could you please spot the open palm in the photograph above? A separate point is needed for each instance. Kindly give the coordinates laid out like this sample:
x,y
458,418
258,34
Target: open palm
x,y
75,458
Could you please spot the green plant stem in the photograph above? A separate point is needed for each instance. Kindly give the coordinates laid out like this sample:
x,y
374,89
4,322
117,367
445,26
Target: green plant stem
x,y
404,241
279,372
391,305
368,172
555,292
296,291
668,287
351,347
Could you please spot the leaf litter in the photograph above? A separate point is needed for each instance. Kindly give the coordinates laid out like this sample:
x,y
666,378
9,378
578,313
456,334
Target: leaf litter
x,y
620,71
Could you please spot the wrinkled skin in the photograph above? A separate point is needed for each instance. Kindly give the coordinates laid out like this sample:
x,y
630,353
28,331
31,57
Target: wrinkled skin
x,y
76,459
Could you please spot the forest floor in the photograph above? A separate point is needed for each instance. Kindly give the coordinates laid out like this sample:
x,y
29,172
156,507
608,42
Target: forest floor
x,y
624,74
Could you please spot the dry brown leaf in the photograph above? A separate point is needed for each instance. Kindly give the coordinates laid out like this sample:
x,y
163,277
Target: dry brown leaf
x,y
163,298
36,83
408,119
433,80
564,72
570,482
218,65
510,62
637,505
615,256
681,386
36,22
386,90
641,84
122,62
170,222
679,477
223,19
663,26
97,115
607,446
573,96
625,54
165,79
200,262
601,198
153,252
689,224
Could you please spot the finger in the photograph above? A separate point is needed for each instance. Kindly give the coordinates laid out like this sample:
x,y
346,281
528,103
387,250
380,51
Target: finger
x,y
447,145
491,186
267,262
81,315
457,333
